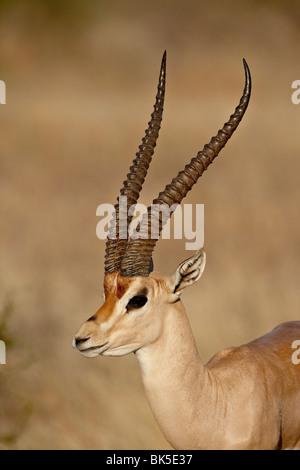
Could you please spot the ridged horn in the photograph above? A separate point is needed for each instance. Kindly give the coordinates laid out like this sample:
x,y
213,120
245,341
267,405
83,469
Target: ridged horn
x,y
118,230
137,259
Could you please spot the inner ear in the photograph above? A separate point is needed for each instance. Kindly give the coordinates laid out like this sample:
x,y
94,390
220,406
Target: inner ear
x,y
177,285
188,272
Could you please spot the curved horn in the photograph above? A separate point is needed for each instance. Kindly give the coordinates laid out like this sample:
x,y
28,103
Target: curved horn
x,y
137,259
118,230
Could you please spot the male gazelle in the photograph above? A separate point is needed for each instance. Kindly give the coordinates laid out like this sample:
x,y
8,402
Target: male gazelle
x,y
245,397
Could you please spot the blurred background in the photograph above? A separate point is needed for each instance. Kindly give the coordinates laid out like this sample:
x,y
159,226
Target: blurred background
x,y
80,80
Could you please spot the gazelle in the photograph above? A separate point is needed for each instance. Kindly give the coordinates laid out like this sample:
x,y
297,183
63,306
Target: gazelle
x,y
245,397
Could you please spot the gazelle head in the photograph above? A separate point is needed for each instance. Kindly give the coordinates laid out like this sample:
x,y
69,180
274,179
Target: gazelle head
x,y
133,311
136,298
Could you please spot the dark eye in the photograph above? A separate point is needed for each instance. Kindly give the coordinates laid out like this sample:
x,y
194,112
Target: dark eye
x,y
136,302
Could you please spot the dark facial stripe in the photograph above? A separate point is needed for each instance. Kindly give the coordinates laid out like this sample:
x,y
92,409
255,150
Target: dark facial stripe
x,y
93,318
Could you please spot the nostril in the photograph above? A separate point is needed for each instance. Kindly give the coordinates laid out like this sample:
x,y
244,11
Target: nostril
x,y
80,340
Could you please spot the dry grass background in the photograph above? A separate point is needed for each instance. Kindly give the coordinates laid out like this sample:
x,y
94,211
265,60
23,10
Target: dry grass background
x,y
81,79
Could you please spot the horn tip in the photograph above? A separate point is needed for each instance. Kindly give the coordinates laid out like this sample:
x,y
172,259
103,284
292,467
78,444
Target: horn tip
x,y
248,81
247,71
246,67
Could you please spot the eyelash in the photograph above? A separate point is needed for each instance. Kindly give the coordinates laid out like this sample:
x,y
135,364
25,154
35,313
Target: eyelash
x,y
136,302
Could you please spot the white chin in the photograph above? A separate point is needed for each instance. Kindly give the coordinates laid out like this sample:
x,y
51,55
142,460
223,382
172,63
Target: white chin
x,y
90,354
119,351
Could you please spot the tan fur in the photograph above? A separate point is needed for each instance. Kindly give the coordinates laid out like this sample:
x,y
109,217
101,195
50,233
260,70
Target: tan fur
x,y
245,397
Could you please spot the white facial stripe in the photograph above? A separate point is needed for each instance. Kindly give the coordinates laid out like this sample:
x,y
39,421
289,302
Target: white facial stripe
x,y
120,307
109,323
118,310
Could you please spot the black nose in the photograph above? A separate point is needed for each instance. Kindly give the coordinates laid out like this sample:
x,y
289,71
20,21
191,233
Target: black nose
x,y
80,340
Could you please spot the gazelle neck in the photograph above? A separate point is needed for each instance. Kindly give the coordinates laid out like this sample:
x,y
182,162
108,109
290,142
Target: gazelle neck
x,y
177,384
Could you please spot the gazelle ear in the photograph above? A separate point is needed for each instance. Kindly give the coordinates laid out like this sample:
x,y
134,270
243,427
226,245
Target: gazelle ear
x,y
188,272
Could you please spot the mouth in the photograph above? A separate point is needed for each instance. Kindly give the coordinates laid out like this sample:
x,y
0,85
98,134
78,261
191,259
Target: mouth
x,y
93,351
